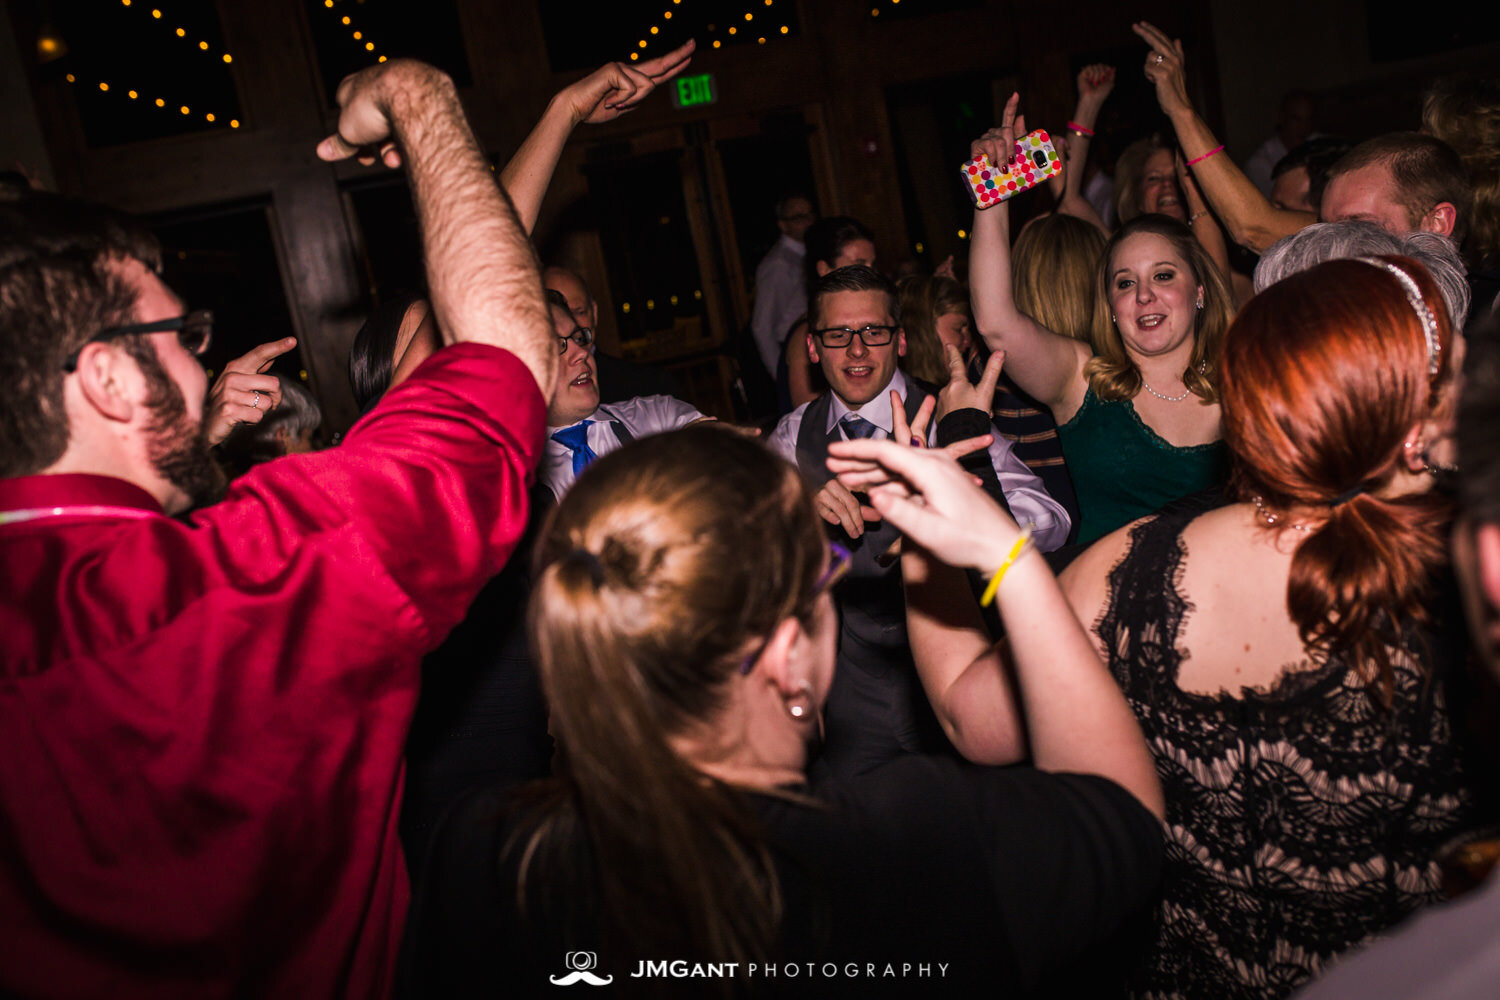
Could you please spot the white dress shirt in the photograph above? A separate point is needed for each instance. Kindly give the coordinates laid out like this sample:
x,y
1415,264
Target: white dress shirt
x,y
780,298
1024,492
642,417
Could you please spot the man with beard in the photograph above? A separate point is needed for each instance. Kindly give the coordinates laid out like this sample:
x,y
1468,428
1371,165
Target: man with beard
x,y
202,721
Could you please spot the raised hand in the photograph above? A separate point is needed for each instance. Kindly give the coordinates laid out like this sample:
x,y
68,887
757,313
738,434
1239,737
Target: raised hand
x,y
364,129
1164,68
1095,82
615,88
999,144
959,393
929,498
243,393
915,433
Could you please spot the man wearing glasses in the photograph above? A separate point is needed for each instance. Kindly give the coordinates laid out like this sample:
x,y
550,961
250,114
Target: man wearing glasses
x,y
579,428
202,721
877,709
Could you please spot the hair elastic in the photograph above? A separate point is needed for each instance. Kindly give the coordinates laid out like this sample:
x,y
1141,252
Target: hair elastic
x,y
1075,127
590,561
1199,159
1348,495
1419,305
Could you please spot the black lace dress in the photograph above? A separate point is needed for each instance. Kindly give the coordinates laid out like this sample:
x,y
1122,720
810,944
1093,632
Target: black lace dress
x,y
1300,819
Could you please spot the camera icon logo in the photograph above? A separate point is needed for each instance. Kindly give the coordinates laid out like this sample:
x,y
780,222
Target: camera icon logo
x,y
581,965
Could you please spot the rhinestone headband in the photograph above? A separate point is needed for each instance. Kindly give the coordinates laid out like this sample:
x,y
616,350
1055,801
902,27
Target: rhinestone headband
x,y
1414,296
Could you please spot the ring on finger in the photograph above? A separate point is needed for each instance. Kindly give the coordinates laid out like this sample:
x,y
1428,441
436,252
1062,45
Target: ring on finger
x,y
255,403
1158,59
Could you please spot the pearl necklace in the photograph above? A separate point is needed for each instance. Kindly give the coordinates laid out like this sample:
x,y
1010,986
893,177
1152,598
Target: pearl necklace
x,y
1170,399
1270,518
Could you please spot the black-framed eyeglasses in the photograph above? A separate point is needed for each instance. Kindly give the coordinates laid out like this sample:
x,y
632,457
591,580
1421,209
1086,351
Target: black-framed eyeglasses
x,y
842,336
581,335
194,332
838,567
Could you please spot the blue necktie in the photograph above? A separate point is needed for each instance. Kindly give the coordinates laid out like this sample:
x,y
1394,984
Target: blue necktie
x,y
857,427
576,438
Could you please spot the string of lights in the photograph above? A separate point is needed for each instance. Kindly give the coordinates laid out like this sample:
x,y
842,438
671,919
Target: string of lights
x,y
666,15
734,29
160,102
179,32
358,35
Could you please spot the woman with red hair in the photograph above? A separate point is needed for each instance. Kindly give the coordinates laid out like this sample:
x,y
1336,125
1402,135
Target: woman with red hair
x,y
1281,652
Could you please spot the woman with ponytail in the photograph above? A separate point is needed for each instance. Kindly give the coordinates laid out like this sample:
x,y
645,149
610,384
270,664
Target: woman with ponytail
x,y
1282,652
684,629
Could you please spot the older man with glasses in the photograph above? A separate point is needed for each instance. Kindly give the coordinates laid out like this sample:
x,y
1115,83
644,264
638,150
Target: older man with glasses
x,y
579,427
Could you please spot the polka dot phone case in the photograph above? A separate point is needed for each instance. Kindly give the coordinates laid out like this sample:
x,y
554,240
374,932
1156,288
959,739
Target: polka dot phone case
x,y
989,185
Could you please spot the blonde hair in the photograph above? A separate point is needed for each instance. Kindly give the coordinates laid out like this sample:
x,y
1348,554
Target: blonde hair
x,y
1465,113
1130,171
923,299
1111,372
1054,269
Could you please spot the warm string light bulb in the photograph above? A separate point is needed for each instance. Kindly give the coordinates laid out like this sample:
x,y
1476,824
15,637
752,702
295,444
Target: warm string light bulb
x,y
357,34
160,102
203,46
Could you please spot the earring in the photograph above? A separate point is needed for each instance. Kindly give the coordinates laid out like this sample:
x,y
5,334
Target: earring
x,y
1112,317
1200,302
799,705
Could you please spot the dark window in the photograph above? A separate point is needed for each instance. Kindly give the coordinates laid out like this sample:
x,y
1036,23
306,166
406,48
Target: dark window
x,y
136,76
222,257
660,309
349,35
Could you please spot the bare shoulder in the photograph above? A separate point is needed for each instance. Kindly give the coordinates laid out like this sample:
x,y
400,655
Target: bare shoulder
x,y
1085,582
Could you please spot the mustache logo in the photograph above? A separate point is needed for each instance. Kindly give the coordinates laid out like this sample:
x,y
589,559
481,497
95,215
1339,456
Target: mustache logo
x,y
580,976
581,962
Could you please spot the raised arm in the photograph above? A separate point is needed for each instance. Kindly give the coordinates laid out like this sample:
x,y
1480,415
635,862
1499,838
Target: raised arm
x,y
1045,364
1251,219
1095,82
483,276
1201,220
603,95
1075,716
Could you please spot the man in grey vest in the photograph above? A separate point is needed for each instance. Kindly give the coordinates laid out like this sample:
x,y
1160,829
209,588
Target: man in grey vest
x,y
877,709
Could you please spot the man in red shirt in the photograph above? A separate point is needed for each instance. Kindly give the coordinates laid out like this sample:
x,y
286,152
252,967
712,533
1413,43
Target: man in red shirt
x,y
201,722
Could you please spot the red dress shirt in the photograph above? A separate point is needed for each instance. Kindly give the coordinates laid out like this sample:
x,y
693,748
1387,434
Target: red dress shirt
x,y
202,723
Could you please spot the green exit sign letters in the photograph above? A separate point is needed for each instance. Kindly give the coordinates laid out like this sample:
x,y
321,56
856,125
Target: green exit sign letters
x,y
692,91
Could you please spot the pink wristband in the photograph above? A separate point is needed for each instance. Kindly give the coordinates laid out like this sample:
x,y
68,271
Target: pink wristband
x,y
1199,159
1075,127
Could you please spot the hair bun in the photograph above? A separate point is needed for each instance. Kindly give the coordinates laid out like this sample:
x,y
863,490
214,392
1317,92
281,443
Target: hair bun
x,y
587,559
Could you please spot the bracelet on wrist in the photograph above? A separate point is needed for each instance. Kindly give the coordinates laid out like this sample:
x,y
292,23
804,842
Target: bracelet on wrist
x,y
988,597
1199,159
1196,216
1081,130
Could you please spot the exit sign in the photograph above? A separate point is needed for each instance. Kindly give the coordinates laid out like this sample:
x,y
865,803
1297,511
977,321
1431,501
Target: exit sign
x,y
692,91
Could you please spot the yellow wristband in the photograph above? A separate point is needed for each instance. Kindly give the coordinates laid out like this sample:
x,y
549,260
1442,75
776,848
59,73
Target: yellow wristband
x,y
988,597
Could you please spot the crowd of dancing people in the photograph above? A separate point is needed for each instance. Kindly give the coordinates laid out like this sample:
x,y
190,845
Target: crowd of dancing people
x,y
1119,620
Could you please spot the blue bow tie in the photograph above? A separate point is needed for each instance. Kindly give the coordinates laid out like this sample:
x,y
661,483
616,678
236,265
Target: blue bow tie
x,y
576,439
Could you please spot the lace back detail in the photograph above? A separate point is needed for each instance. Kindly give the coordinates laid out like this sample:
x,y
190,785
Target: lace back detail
x,y
1301,819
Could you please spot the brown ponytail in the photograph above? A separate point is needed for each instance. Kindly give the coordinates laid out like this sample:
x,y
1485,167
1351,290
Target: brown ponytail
x,y
656,572
1323,376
